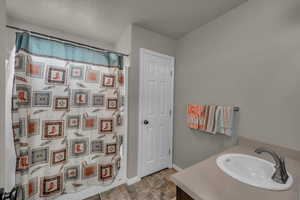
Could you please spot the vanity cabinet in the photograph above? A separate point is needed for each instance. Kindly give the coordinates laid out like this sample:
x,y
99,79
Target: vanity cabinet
x,y
181,195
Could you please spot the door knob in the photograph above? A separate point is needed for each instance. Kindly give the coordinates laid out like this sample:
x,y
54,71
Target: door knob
x,y
146,122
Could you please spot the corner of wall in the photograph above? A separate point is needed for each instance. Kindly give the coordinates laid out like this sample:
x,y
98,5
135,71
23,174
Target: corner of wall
x,y
124,42
140,38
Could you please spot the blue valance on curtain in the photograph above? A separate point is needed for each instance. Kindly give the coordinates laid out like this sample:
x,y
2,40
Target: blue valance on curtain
x,y
52,48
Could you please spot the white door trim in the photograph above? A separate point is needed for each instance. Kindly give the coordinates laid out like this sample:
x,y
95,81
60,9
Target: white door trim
x,y
140,126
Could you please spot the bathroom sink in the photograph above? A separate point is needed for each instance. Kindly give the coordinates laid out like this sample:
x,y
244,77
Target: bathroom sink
x,y
251,170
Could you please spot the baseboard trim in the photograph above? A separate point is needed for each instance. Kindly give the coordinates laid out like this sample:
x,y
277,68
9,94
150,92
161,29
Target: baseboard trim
x,y
177,168
133,180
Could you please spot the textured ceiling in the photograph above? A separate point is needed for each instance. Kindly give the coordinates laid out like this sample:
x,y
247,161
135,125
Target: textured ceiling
x,y
106,19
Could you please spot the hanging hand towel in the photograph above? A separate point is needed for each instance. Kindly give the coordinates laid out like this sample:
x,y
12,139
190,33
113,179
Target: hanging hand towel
x,y
224,120
228,120
211,111
203,117
193,116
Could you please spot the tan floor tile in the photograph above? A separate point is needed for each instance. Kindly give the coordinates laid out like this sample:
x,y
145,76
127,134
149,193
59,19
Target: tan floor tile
x,y
156,186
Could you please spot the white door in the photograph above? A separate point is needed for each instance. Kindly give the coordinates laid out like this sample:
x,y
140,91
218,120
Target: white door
x,y
156,112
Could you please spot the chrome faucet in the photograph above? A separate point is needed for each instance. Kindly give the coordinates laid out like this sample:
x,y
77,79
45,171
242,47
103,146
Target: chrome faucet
x,y
280,175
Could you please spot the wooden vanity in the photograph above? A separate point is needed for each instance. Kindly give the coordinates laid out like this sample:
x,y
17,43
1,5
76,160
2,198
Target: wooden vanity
x,y
181,195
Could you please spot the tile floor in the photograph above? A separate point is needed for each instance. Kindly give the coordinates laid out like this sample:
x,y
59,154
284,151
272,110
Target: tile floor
x,y
157,186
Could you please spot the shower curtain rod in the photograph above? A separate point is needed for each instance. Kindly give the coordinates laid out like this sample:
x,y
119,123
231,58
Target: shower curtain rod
x,y
64,40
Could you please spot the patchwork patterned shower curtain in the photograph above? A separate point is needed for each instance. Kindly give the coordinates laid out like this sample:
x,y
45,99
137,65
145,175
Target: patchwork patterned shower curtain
x,y
67,112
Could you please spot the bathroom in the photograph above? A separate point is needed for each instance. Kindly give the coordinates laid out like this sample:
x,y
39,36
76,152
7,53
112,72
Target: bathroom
x,y
237,54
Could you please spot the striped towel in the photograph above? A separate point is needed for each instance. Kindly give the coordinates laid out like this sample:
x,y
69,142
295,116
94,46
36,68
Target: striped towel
x,y
206,117
211,119
193,116
203,117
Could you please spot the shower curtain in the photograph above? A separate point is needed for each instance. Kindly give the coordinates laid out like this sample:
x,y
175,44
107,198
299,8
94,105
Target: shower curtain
x,y
67,112
9,150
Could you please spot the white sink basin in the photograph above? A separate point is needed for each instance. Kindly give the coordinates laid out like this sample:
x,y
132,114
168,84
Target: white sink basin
x,y
251,170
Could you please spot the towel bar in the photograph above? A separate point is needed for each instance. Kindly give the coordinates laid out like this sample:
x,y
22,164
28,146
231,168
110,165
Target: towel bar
x,y
236,109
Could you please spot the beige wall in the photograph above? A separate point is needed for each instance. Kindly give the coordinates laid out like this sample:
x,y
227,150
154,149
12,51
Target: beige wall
x,y
141,38
130,42
124,43
249,57
3,53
